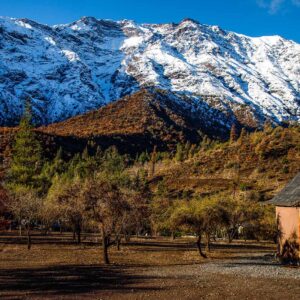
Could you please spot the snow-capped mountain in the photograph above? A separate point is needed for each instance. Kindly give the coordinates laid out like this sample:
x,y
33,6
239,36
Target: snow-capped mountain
x,y
70,69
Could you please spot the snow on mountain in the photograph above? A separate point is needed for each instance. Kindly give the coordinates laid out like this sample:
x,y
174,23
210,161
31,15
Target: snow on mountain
x,y
70,69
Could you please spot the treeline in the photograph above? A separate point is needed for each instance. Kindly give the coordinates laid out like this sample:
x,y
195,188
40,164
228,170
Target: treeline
x,y
101,193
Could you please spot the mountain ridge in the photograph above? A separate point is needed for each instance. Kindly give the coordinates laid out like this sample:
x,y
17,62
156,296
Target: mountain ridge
x,y
70,69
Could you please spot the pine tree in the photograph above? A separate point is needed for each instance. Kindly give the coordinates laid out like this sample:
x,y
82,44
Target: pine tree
x,y
99,156
55,167
26,162
58,162
192,151
88,164
186,150
113,162
179,156
144,157
82,165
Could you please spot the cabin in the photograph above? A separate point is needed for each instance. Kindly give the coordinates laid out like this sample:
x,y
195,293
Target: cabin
x,y
287,204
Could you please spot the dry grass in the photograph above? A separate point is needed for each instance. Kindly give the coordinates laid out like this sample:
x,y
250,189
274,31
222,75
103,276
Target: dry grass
x,y
266,163
57,268
61,250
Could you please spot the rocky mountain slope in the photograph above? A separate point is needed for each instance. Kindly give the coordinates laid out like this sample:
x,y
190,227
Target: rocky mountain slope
x,y
66,70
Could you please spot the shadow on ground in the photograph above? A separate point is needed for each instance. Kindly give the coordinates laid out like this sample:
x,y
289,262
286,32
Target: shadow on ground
x,y
64,280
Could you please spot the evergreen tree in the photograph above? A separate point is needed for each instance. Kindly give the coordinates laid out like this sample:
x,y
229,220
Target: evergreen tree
x,y
144,157
187,148
139,181
53,168
82,165
113,162
57,166
192,151
26,162
179,156
72,166
86,165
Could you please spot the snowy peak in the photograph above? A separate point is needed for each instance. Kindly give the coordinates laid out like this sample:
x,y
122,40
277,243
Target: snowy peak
x,y
70,69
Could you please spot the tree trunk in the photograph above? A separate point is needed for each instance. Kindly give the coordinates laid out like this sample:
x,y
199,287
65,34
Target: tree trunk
x,y
74,234
172,236
45,230
78,232
28,237
153,232
104,246
230,235
60,227
20,230
127,237
207,242
199,246
118,242
137,231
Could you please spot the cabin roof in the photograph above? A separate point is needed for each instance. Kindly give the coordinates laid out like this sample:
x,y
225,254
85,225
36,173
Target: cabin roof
x,y
290,195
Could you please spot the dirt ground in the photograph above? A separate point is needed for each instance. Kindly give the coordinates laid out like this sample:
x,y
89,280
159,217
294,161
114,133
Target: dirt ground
x,y
56,268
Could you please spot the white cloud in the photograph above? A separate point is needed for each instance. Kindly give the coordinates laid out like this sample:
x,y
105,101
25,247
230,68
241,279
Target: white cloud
x,y
274,6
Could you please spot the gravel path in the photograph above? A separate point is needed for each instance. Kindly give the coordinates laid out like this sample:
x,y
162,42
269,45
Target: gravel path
x,y
256,266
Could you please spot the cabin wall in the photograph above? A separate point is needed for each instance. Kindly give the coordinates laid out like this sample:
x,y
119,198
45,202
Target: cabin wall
x,y
288,219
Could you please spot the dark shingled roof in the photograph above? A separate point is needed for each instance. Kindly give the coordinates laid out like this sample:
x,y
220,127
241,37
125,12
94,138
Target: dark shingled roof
x,y
290,195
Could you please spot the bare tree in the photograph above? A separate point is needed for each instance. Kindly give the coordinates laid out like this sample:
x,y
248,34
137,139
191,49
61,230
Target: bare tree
x,y
136,218
109,208
25,206
235,213
66,201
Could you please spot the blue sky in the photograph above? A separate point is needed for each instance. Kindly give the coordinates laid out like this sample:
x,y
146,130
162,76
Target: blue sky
x,y
251,17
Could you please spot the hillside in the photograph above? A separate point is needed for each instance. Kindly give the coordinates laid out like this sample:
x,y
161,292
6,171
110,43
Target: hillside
x,y
67,70
146,118
256,166
137,114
